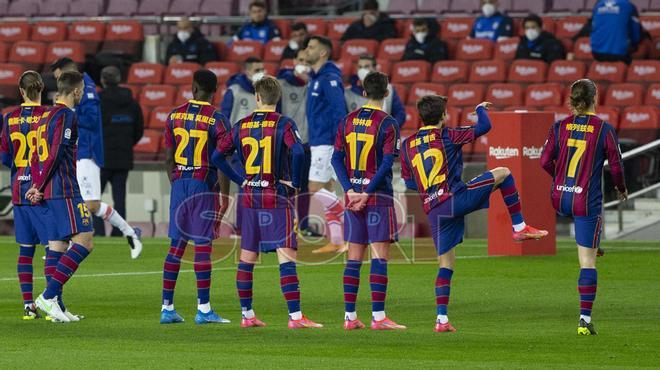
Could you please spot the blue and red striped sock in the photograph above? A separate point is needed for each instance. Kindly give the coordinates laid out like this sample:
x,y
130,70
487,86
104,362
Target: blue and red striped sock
x,y
244,278
290,286
66,267
171,270
351,284
512,200
442,290
52,259
378,283
587,284
25,271
202,268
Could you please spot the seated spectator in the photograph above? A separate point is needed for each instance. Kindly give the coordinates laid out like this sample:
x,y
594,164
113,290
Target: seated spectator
x,y
239,100
189,45
615,31
297,39
492,25
373,25
424,43
538,44
355,95
260,27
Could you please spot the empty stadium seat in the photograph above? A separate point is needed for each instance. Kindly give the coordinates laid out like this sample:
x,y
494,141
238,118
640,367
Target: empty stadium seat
x,y
543,95
345,66
124,37
149,144
504,94
180,73
283,24
274,49
421,89
488,71
338,26
223,70
567,27
287,64
158,117
412,118
653,95
566,71
474,49
401,90
14,31
90,33
410,71
145,73
4,50
624,95
450,71
49,31
352,49
392,49
506,49
530,71
155,95
456,28
559,112
68,49
31,54
607,71
9,74
183,94
461,95
644,71
582,49
315,26
242,49
271,68
609,115
639,124
651,23
453,116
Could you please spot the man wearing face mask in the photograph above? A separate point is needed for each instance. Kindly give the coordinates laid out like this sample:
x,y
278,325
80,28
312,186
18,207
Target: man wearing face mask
x,y
355,96
296,40
538,44
374,25
424,43
492,25
239,101
189,45
260,27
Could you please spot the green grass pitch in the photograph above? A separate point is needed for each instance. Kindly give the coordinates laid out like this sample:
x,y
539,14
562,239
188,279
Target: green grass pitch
x,y
510,312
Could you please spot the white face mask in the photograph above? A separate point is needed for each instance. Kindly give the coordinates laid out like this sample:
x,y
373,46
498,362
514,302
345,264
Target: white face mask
x,y
301,69
362,73
420,37
293,44
532,34
488,10
258,76
183,36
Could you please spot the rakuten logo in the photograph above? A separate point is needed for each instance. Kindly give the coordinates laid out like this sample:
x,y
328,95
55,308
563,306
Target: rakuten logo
x,y
644,70
567,70
532,152
187,94
638,117
241,50
472,49
144,72
360,181
155,95
463,94
394,49
457,27
409,71
6,74
605,70
357,50
423,92
26,51
508,48
656,93
622,94
540,95
61,52
569,189
585,47
573,26
162,116
503,153
447,71
526,70
10,31
121,29
339,27
85,30
145,140
220,71
487,70
277,50
502,93
181,73
46,31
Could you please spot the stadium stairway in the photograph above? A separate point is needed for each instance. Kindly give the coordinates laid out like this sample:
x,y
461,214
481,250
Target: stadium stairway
x,y
641,220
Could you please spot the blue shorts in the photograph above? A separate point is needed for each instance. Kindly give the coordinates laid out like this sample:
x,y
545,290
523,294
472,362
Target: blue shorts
x,y
30,224
67,217
587,230
371,225
447,220
194,212
267,229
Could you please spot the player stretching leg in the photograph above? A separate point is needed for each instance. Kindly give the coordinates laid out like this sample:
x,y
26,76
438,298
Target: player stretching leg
x,y
193,131
266,141
365,148
432,163
53,166
574,155
16,146
90,156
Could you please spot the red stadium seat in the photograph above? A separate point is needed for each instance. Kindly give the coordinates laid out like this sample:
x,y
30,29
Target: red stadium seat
x,y
49,31
352,49
411,71
644,71
9,75
582,49
145,73
404,27
315,26
488,71
149,144
125,37
14,31
274,49
346,66
566,71
402,91
607,71
560,112
180,73
474,49
653,95
530,71
639,124
284,25
421,89
155,95
242,49
4,50
453,116
183,94
158,117
271,68
450,71
655,48
392,49
543,95
90,33
506,49
461,95
412,118
337,27
569,26
610,115
504,94
624,95
287,64
31,54
651,23
135,91
69,49
223,70
456,28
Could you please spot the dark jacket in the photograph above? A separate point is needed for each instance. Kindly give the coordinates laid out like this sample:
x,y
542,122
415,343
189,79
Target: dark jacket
x,y
432,50
289,53
123,126
384,28
196,49
546,47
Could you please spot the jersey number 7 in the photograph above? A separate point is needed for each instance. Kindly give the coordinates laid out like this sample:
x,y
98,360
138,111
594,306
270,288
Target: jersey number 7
x,y
202,138
580,146
352,140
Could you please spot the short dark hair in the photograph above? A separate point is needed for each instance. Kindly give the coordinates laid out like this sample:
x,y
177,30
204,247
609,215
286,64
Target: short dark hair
x,y
205,80
252,60
258,4
370,5
63,63
583,95
68,81
431,108
370,58
269,90
375,85
420,22
298,26
533,18
325,42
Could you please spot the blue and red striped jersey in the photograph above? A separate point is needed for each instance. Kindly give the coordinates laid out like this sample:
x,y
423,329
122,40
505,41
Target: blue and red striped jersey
x,y
573,155
264,140
366,135
18,142
54,160
193,130
434,159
